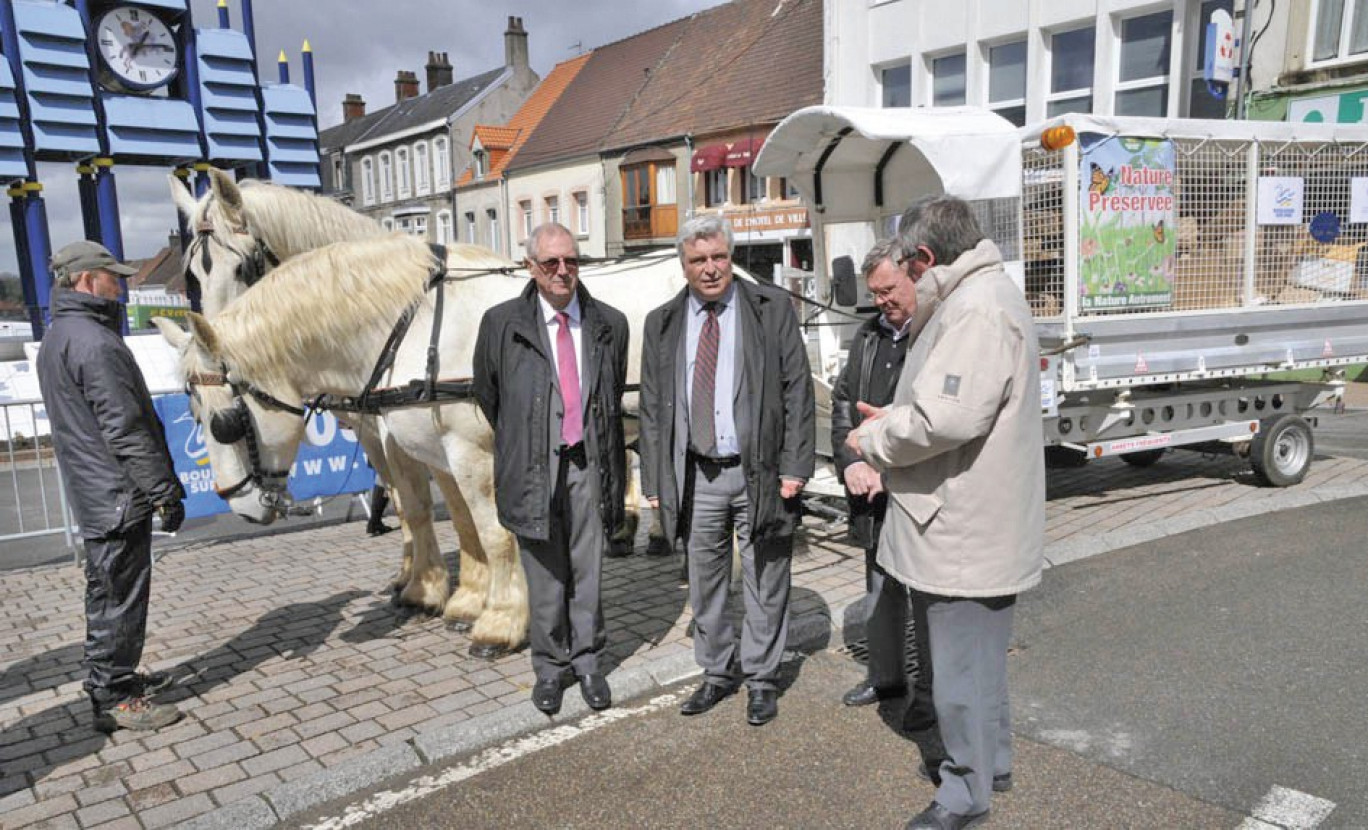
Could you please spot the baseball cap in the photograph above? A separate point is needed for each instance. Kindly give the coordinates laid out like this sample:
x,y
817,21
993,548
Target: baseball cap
x,y
86,255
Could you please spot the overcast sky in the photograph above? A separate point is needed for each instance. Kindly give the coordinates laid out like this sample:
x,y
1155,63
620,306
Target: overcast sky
x,y
358,45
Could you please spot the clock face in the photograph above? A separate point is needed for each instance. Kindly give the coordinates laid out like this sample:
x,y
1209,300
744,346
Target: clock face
x,y
137,48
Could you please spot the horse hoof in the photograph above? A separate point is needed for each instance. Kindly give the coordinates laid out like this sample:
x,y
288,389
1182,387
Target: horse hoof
x,y
460,626
489,651
659,546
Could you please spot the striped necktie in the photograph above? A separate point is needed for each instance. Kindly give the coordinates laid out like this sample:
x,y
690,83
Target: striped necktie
x,y
701,408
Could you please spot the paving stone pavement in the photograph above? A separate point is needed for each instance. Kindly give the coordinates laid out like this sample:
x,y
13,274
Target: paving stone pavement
x,y
302,684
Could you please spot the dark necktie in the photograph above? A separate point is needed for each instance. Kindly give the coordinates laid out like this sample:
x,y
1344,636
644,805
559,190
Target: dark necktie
x,y
701,408
572,425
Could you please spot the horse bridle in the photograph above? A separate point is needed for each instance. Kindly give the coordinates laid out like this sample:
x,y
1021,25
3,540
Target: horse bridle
x,y
252,265
235,424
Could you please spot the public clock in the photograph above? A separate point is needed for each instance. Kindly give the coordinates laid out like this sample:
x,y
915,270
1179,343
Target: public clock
x,y
138,49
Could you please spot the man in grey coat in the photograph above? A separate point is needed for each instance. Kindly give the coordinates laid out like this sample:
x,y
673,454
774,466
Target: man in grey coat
x,y
117,470
960,451
549,373
727,443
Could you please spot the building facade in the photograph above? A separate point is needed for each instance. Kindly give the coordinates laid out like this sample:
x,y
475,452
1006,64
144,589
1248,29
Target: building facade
x,y
396,165
1311,63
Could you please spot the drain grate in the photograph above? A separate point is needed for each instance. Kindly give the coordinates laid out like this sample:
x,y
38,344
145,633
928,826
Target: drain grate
x,y
859,649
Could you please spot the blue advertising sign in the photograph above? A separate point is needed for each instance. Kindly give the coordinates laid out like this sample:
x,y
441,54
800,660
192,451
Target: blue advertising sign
x,y
330,461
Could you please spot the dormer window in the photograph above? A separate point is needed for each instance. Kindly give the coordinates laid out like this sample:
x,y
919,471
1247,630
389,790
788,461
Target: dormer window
x,y
480,168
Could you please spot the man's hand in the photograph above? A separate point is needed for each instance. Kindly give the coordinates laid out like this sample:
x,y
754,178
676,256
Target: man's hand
x,y
863,480
653,502
867,413
790,487
172,514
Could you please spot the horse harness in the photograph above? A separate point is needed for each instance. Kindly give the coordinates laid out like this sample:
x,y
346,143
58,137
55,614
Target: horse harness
x,y
252,265
228,426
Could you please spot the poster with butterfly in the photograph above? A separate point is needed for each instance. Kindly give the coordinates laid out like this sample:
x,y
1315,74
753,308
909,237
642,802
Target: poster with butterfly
x,y
1127,216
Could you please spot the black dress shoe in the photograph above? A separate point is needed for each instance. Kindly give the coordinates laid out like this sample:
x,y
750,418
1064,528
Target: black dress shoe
x,y
920,716
547,694
704,698
594,688
762,707
1001,783
866,693
937,817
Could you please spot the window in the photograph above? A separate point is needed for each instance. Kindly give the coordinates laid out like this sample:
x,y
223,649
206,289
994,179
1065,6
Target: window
x,y
339,168
1007,81
648,200
896,83
525,208
419,226
367,181
1339,29
787,189
1142,87
470,227
442,157
479,164
493,216
404,171
422,170
947,81
386,178
1071,71
715,191
444,227
387,223
553,209
1201,103
582,213
754,186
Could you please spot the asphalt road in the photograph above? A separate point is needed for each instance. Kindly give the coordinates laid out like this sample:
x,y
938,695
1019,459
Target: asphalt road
x,y
1185,683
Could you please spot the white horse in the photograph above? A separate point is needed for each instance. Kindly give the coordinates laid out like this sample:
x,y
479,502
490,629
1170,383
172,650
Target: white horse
x,y
316,324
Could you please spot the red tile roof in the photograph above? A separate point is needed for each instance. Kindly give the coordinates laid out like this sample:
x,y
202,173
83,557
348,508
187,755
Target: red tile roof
x,y
504,143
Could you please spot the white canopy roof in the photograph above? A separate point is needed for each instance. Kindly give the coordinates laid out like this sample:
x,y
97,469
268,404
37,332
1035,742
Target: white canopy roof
x,y
1198,128
964,151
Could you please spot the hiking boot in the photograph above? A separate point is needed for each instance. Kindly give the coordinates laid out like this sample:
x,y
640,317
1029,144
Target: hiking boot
x,y
136,713
151,683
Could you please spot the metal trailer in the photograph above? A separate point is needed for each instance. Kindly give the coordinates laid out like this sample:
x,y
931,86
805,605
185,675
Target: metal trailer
x,y
1238,285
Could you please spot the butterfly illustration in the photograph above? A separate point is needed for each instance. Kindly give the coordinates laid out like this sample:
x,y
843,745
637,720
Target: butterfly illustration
x,y
1101,180
1159,232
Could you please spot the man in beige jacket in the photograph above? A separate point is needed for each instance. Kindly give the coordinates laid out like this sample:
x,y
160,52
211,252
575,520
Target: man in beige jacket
x,y
961,454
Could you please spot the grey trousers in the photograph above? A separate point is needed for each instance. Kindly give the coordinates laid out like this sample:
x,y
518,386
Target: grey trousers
x,y
118,571
969,640
886,630
718,506
564,574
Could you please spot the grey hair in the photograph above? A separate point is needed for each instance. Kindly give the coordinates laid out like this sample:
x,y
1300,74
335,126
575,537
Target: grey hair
x,y
64,277
544,229
704,226
884,250
945,225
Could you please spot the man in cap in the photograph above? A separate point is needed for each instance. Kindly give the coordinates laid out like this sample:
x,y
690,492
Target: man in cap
x,y
118,472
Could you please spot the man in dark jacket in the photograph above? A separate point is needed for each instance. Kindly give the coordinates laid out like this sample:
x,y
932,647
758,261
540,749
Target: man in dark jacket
x,y
873,365
727,443
549,374
117,470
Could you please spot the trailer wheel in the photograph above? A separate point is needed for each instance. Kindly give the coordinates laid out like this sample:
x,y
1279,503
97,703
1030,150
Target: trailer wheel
x,y
1143,458
1281,452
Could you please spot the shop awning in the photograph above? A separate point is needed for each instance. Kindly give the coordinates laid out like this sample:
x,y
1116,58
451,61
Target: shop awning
x,y
743,151
708,158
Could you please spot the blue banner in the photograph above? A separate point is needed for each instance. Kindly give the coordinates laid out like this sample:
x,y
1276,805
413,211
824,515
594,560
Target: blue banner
x,y
329,462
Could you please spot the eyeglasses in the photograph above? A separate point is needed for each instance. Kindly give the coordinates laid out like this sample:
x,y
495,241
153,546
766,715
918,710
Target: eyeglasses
x,y
552,264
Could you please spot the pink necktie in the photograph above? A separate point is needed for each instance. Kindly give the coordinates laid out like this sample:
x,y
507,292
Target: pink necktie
x,y
572,425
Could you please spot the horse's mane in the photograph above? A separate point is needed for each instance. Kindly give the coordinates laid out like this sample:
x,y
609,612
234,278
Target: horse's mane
x,y
293,221
327,301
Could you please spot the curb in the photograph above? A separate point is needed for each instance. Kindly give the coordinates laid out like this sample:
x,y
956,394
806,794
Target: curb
x,y
806,631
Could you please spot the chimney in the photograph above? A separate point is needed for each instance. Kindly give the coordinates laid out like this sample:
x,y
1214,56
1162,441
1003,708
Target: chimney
x,y
515,44
439,72
405,86
353,107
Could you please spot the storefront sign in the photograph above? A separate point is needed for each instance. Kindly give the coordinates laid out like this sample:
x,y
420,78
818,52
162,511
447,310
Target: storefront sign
x,y
767,220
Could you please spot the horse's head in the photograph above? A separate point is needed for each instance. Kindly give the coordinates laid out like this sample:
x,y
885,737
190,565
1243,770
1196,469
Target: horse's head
x,y
251,437
225,255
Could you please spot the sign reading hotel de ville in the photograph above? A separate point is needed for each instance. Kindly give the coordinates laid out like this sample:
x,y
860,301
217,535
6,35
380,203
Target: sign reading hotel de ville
x,y
773,219
1127,222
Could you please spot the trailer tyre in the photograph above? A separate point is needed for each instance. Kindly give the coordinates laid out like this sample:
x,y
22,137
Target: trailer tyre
x,y
1281,452
1143,458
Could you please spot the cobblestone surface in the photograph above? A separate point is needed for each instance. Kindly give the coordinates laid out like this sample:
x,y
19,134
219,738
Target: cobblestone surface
x,y
292,663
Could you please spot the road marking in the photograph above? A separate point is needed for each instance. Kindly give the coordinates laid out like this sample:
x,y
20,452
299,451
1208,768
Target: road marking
x,y
1289,810
487,760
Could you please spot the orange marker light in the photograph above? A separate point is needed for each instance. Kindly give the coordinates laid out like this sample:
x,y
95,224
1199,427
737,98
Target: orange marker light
x,y
1057,138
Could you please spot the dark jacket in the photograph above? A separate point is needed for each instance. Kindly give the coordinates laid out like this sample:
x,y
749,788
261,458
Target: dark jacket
x,y
854,385
109,440
515,383
776,420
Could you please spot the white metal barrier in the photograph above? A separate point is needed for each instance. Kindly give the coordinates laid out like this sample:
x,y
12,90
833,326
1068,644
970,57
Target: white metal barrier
x,y
32,496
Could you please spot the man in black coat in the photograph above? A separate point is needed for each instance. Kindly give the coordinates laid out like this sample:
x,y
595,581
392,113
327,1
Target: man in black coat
x,y
117,470
550,368
873,366
727,443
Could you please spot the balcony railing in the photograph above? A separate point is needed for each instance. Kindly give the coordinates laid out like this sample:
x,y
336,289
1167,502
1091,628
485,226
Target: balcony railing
x,y
649,222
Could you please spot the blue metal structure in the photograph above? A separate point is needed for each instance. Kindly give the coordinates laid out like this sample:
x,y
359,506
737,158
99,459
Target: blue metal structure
x,y
55,108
